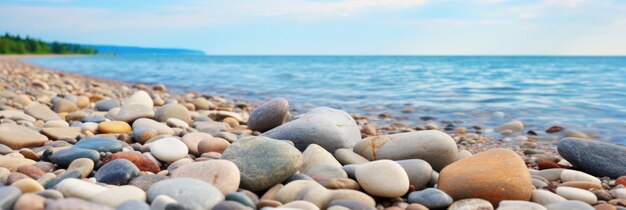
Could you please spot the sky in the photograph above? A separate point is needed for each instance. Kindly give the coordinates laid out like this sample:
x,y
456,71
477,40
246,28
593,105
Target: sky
x,y
331,27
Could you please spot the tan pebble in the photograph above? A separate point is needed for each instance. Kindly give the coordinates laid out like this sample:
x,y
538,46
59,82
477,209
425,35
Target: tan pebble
x,y
82,102
231,121
114,127
506,132
85,165
31,171
303,205
460,130
432,126
270,194
29,201
268,203
27,153
393,208
28,185
212,145
585,185
12,163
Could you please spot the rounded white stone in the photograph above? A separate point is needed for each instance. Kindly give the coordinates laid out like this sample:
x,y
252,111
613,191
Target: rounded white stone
x,y
571,193
384,178
168,149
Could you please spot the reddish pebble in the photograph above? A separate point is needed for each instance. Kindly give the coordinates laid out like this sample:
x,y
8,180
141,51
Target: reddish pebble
x,y
554,129
31,171
415,206
212,145
621,180
546,164
605,206
142,162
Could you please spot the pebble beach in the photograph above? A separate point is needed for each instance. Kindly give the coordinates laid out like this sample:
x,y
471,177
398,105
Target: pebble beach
x,y
73,142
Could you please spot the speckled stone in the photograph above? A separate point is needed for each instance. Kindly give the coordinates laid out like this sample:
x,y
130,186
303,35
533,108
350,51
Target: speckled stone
x,y
117,172
191,193
269,115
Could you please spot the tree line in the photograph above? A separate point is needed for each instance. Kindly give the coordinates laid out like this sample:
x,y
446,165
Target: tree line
x,y
14,44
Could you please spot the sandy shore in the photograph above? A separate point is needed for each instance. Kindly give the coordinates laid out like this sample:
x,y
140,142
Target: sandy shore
x,y
70,141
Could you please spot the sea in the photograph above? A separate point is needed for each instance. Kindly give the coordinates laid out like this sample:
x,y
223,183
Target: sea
x,y
586,94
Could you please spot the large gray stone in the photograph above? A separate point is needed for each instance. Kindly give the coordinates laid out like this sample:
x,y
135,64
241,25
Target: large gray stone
x,y
190,193
435,147
263,162
597,158
173,111
330,128
269,115
8,196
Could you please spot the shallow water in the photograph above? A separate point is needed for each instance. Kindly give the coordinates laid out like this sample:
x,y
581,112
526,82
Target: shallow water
x,y
582,93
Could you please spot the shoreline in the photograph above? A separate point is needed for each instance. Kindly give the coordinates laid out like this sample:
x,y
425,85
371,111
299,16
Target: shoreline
x,y
47,111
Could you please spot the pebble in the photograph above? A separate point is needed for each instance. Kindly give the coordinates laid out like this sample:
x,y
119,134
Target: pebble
x,y
486,175
116,196
594,157
30,201
230,205
61,132
74,204
131,112
63,105
41,112
141,161
374,177
576,134
350,204
53,182
240,198
64,157
85,165
552,174
17,137
145,181
31,171
13,163
77,188
145,123
212,145
193,139
263,162
114,127
269,115
107,104
515,126
520,205
347,156
173,111
435,147
176,123
222,174
168,149
133,205
419,172
117,172
190,193
140,98
569,205
161,202
571,193
8,196
471,204
100,144
28,185
585,185
330,128
431,198
568,175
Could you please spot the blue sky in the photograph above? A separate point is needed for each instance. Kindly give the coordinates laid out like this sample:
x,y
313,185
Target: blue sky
x,y
412,27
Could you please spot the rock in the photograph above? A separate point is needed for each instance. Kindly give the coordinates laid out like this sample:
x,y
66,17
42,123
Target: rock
x,y
383,178
571,175
431,198
117,172
202,103
176,123
568,205
173,111
471,204
145,123
212,145
315,155
315,193
85,165
350,204
435,147
522,205
30,201
145,181
193,139
17,137
191,193
133,205
61,132
114,127
106,105
28,185
8,196
230,205
116,196
330,128
419,172
222,174
100,144
52,182
269,115
347,156
515,126
620,180
31,171
64,157
161,202
168,149
487,175
140,98
585,185
240,198
141,161
571,193
63,105
576,134
13,163
73,204
597,158
552,174
263,162
131,112
80,189
41,112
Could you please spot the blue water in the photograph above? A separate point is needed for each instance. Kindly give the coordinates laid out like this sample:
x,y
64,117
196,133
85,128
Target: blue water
x,y
582,93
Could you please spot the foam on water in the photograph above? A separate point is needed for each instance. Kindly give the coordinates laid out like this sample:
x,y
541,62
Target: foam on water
x,y
585,93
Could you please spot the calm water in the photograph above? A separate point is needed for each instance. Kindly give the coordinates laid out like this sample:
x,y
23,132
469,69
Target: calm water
x,y
584,93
